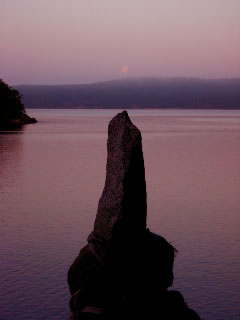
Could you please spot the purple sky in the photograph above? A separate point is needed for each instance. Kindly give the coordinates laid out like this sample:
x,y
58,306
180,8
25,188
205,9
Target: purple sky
x,y
78,41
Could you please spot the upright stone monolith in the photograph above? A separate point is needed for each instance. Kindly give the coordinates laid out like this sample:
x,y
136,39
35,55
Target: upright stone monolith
x,y
125,270
122,208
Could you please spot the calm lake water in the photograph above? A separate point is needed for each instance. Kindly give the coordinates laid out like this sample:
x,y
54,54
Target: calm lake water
x,y
52,174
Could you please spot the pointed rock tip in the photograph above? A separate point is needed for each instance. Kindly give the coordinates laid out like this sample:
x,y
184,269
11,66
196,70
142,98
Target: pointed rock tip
x,y
121,117
119,123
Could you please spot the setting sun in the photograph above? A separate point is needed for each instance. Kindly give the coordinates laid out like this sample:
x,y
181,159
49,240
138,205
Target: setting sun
x,y
124,69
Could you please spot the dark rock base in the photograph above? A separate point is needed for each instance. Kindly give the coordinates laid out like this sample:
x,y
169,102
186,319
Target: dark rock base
x,y
16,123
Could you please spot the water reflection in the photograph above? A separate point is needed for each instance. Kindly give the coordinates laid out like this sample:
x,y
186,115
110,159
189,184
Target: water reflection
x,y
51,178
11,148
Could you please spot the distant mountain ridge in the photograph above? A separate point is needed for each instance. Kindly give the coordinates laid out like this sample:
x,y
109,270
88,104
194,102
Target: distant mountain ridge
x,y
186,93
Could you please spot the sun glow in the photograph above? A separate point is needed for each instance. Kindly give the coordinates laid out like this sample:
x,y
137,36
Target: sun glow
x,y
124,69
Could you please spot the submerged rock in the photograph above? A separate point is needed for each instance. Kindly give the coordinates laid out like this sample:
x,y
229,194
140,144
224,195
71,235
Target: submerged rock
x,y
125,270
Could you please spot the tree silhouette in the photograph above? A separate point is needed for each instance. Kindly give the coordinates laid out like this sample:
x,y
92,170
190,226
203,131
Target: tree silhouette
x,y
12,111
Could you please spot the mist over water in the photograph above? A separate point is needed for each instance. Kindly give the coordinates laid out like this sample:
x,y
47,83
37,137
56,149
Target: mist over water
x,y
52,174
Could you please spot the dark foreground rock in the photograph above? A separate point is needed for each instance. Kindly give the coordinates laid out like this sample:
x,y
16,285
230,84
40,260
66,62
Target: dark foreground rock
x,y
125,270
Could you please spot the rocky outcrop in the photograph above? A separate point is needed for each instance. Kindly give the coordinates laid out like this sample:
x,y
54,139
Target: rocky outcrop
x,y
122,208
12,111
121,217
23,119
125,270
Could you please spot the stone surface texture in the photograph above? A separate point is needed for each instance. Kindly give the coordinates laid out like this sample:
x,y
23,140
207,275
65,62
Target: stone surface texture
x,y
122,208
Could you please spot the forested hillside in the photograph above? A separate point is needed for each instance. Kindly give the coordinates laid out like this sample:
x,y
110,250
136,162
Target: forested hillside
x,y
137,93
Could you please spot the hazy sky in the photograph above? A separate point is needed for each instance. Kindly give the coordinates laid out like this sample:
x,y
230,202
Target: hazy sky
x,y
76,41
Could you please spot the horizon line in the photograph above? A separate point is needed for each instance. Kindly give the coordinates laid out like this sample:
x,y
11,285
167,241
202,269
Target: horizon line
x,y
132,78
